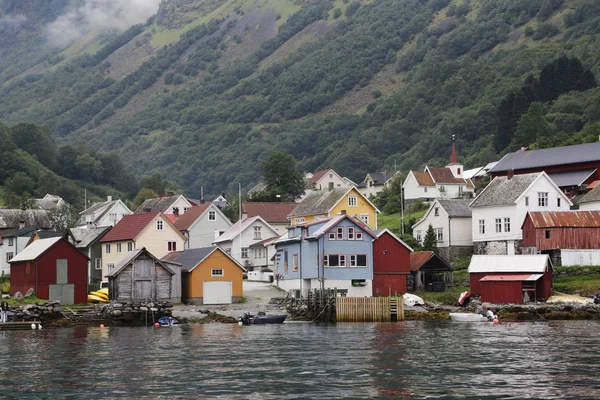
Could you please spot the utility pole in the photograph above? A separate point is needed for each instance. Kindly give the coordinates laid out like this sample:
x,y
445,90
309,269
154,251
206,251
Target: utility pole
x,y
402,208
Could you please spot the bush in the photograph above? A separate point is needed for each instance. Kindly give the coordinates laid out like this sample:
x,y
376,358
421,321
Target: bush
x,y
337,12
545,31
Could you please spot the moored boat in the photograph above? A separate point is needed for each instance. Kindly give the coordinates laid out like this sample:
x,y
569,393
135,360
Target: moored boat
x,y
168,321
472,317
261,319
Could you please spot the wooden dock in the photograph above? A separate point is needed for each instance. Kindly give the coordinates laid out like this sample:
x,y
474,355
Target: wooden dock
x,y
18,325
369,309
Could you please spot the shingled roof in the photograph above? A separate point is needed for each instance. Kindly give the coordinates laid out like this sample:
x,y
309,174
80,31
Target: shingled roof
x,y
504,191
591,196
423,178
271,212
159,204
319,202
444,175
13,218
84,237
456,208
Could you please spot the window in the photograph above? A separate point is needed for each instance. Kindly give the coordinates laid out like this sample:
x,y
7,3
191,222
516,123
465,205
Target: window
x,y
110,266
244,252
118,247
11,241
300,220
498,225
185,209
352,201
9,256
159,225
439,234
436,212
482,226
257,232
171,246
359,236
418,236
342,260
547,233
340,233
350,233
458,171
326,261
107,248
358,260
558,202
506,224
332,260
331,235
98,264
425,190
526,201
364,218
543,199
112,217
217,272
129,246
294,262
212,215
176,210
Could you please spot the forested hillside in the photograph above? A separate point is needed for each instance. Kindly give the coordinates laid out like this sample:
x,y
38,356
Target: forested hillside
x,y
203,90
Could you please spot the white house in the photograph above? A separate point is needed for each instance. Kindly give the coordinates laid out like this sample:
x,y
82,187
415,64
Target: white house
x,y
169,205
374,183
451,222
105,213
500,209
12,242
327,179
202,224
434,183
591,200
275,214
237,240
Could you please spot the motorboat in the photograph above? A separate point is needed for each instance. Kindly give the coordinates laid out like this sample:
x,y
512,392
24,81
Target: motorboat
x,y
472,317
168,321
261,319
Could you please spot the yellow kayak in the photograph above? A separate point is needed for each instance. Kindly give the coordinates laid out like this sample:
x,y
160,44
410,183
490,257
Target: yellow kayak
x,y
103,291
96,299
101,295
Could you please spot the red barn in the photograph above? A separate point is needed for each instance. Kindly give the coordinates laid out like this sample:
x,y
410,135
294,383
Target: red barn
x,y
54,268
509,278
391,264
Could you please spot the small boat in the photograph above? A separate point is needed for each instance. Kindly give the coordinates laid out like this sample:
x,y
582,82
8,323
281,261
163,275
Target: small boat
x,y
464,298
261,319
168,321
472,317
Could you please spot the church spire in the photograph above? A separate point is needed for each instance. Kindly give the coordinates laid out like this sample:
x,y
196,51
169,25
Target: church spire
x,y
453,155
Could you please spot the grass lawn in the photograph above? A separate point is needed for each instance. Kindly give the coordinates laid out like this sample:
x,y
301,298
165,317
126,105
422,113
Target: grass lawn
x,y
393,221
586,284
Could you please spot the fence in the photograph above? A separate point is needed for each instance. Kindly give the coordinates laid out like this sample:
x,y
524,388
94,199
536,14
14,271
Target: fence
x,y
369,309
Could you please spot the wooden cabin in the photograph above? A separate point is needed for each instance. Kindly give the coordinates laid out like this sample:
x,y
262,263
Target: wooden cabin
x,y
429,271
391,264
141,277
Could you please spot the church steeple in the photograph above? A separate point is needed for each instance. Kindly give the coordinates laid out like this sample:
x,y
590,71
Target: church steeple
x,y
455,166
453,155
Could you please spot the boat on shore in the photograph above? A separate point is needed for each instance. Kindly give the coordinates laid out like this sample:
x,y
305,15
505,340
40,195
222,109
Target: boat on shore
x,y
261,319
472,317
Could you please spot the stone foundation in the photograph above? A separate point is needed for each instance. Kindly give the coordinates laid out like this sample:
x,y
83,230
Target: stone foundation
x,y
450,254
498,248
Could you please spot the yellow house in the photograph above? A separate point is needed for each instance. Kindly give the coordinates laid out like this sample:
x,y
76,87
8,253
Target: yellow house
x,y
151,230
209,276
329,203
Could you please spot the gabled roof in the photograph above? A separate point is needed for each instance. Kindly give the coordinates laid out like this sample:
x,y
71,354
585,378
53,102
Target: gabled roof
x,y
591,196
332,222
49,203
320,174
159,204
129,227
13,218
191,215
191,258
456,208
470,173
322,201
265,242
571,178
565,219
35,249
576,154
85,237
49,234
19,232
276,213
504,191
535,263
100,210
419,258
444,176
423,178
235,229
131,256
380,232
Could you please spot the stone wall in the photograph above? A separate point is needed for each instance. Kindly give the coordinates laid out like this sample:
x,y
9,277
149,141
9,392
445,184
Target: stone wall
x,y
500,247
450,254
135,313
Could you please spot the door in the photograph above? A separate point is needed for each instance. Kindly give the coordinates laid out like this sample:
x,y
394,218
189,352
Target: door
x,y
217,292
142,290
63,293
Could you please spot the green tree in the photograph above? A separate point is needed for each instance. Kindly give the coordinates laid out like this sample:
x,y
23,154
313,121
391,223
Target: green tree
x,y
36,141
532,125
89,168
155,183
430,240
20,183
143,195
282,177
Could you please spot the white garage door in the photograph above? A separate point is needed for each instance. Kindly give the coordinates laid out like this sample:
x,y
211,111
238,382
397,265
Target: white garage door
x,y
217,292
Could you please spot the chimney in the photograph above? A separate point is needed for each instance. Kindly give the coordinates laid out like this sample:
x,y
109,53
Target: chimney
x,y
108,198
21,224
510,174
202,195
170,194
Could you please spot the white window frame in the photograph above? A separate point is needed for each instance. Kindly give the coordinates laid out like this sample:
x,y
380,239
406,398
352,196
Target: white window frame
x,y
220,272
342,260
350,233
482,226
354,260
299,220
506,224
98,264
244,252
11,242
364,218
212,215
119,247
352,201
159,225
418,234
9,256
331,235
498,225
107,248
439,234
110,267
295,264
436,212
542,199
339,235
257,232
130,246
359,236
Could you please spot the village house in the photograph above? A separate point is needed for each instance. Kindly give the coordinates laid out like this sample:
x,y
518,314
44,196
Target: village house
x,y
140,276
391,264
514,279
591,200
451,222
12,242
171,205
153,230
374,183
105,213
429,272
209,276
326,179
202,224
331,253
500,209
329,203
87,240
237,240
568,237
434,183
572,168
275,214
53,268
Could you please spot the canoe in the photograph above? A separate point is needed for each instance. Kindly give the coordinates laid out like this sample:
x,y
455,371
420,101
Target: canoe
x,y
468,317
95,299
101,295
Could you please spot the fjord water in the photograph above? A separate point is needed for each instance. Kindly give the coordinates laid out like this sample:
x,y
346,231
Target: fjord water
x,y
408,360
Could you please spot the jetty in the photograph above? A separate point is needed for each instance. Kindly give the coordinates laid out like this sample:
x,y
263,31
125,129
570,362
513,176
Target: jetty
x,y
19,325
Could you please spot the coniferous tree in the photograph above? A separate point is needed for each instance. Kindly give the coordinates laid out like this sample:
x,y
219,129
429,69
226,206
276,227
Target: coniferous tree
x,y
430,240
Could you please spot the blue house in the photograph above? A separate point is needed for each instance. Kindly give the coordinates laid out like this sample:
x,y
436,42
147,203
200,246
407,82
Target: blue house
x,y
328,253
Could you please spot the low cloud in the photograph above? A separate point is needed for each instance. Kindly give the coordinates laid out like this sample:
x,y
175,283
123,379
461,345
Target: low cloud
x,y
12,21
99,16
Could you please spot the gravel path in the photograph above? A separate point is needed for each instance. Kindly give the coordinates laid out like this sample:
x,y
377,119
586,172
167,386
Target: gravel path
x,y
257,294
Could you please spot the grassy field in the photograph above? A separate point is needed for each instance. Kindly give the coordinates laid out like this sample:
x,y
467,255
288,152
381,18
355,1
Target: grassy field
x,y
393,221
577,279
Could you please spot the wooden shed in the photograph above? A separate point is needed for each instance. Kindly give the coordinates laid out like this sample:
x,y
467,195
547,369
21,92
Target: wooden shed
x,y
141,277
506,274
430,272
391,264
54,268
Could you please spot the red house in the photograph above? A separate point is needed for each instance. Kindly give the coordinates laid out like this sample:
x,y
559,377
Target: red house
x,y
391,264
54,268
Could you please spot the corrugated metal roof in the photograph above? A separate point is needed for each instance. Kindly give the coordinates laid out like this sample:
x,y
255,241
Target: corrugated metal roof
x,y
35,249
571,178
564,219
535,263
579,153
513,277
504,191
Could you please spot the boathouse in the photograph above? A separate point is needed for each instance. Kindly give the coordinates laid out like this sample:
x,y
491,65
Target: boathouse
x,y
391,264
142,277
54,268
511,278
429,272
